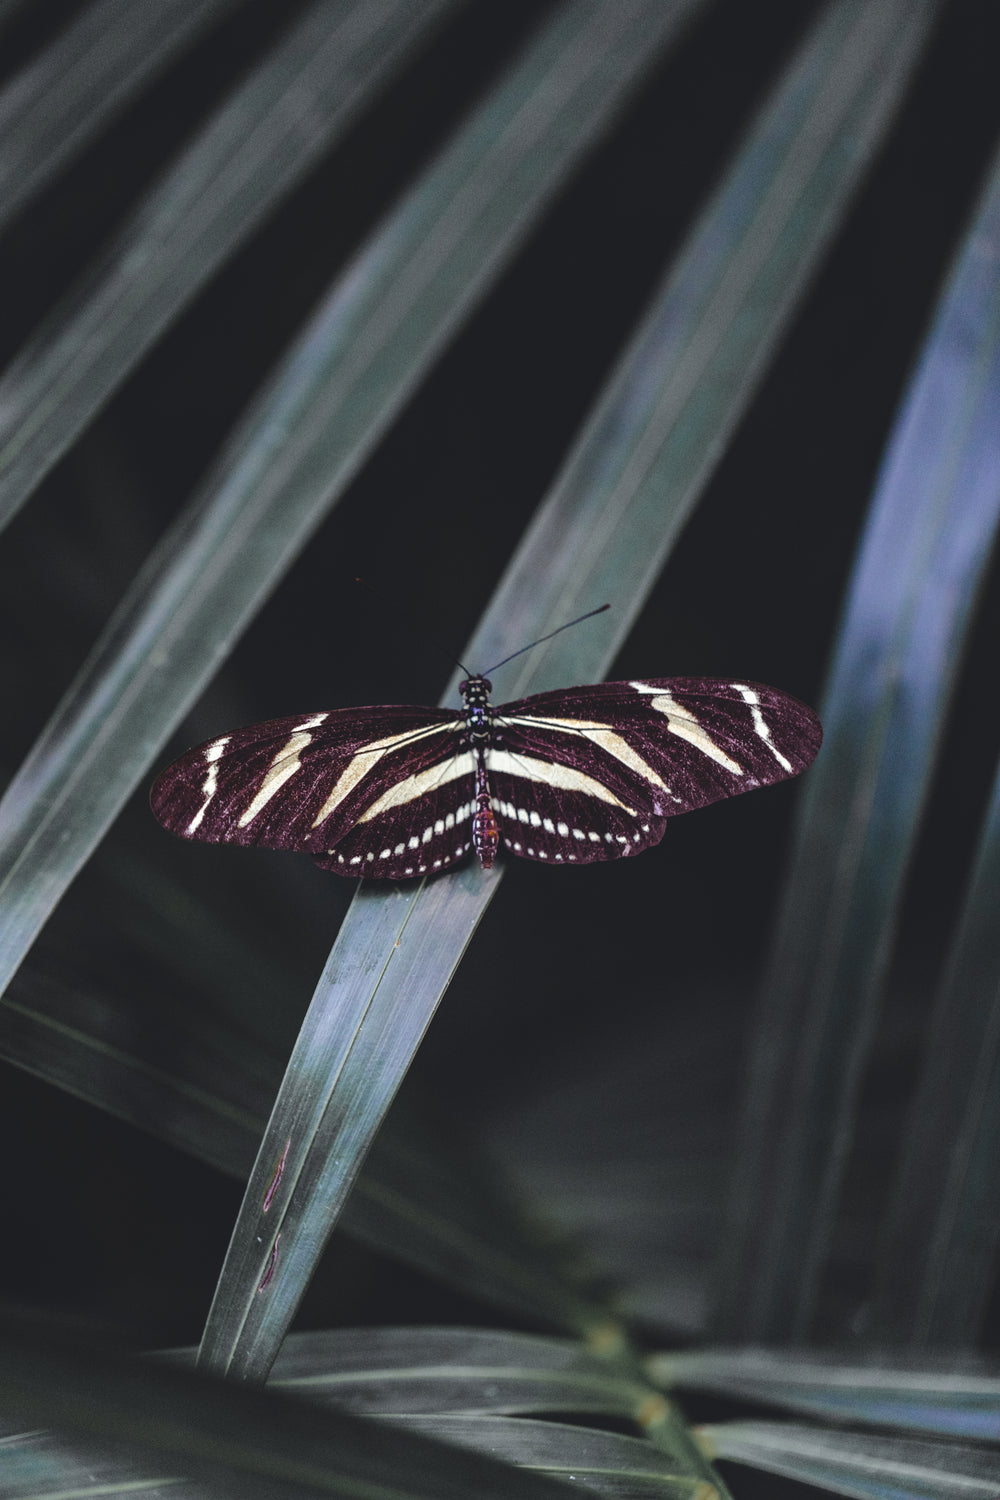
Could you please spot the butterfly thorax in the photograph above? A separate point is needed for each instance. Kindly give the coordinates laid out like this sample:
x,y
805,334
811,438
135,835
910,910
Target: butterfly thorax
x,y
475,693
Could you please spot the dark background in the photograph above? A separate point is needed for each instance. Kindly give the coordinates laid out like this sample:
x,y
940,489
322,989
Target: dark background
x,y
106,1222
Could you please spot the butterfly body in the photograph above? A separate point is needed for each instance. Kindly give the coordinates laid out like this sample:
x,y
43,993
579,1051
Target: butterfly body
x,y
571,776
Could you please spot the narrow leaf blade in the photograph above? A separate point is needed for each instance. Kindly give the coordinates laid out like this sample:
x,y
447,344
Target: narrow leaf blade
x,y
249,156
921,563
847,1463
929,1396
413,1371
939,1248
88,73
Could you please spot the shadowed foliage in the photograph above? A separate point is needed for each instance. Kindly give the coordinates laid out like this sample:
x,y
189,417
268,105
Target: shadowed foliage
x,y
515,311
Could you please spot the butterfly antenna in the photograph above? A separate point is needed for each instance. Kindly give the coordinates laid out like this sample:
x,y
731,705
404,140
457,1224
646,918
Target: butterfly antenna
x,y
589,615
431,640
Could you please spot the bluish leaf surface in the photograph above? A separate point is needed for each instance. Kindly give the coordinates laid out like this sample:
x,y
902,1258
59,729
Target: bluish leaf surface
x,y
250,155
89,72
950,1399
918,573
856,1464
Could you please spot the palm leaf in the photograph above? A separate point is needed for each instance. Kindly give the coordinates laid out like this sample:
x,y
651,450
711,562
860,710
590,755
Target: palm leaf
x,y
246,159
863,1466
939,1249
58,103
918,574
946,1397
165,1421
193,1051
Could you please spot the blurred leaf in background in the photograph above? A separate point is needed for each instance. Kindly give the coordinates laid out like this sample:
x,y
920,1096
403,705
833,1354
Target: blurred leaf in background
x,y
669,303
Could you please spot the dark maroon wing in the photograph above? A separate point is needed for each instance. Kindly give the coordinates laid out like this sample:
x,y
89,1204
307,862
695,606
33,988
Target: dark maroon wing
x,y
383,791
594,772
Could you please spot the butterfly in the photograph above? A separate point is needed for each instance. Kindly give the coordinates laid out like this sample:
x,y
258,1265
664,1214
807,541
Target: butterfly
x,y
565,777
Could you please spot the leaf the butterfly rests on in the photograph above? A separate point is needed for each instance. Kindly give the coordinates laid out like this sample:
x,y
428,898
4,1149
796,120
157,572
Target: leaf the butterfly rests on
x,y
568,777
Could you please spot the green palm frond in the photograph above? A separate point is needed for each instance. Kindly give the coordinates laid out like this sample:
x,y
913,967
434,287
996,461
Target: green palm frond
x,y
495,305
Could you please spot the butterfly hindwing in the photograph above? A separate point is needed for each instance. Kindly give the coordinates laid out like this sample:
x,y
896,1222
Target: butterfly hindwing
x,y
307,781
420,823
565,825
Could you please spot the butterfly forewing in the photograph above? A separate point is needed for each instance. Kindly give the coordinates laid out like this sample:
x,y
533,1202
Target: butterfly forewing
x,y
304,782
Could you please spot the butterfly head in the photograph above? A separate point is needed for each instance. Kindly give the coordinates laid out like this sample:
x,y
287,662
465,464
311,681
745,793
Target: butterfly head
x,y
475,691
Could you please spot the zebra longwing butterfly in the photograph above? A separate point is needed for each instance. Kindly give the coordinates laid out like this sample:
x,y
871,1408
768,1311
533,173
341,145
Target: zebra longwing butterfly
x,y
567,777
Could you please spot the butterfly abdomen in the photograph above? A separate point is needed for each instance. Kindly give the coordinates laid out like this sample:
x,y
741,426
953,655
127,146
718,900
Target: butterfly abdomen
x,y
485,833
485,829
